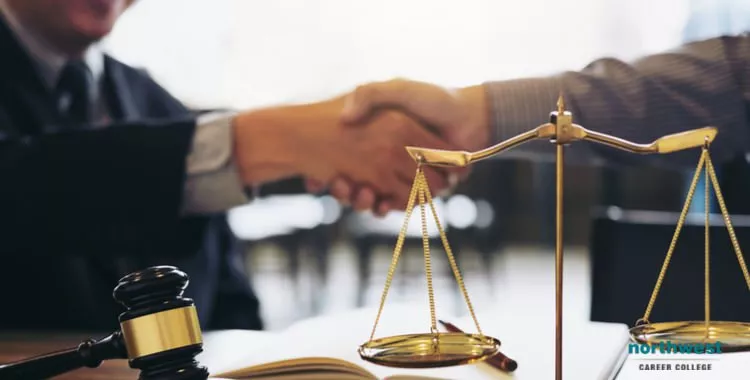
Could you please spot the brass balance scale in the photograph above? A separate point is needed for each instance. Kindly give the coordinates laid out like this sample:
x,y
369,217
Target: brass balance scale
x,y
438,349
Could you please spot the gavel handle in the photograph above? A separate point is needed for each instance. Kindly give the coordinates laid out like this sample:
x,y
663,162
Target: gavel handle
x,y
89,353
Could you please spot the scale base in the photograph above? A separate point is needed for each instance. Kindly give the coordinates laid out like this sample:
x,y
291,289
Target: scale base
x,y
429,350
734,336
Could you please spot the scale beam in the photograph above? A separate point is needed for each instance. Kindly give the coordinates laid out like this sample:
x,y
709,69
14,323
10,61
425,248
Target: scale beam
x,y
690,139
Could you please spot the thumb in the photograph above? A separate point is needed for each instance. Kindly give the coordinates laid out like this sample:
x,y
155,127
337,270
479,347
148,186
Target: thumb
x,y
367,97
353,110
313,186
435,106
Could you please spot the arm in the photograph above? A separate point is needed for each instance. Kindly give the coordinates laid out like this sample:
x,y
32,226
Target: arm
x,y
122,186
699,84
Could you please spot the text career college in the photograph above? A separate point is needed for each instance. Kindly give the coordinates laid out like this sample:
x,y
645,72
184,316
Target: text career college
x,y
674,348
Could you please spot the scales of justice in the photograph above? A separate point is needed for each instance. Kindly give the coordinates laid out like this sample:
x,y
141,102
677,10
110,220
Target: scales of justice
x,y
438,349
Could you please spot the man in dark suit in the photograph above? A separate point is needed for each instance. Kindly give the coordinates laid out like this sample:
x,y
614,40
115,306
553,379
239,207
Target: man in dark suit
x,y
103,172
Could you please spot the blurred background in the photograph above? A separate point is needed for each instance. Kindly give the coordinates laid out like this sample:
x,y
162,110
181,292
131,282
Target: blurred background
x,y
307,255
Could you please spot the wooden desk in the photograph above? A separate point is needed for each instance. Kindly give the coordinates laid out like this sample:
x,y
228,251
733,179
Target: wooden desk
x,y
15,347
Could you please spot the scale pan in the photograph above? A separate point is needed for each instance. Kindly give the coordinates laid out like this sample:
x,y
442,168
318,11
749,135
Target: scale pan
x,y
429,350
734,336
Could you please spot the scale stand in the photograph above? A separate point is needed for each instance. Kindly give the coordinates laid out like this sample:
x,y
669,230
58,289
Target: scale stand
x,y
435,349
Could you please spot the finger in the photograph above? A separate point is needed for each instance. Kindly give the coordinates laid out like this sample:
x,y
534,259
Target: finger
x,y
433,104
314,186
383,208
455,176
356,106
453,181
365,98
341,189
364,199
400,197
392,186
463,173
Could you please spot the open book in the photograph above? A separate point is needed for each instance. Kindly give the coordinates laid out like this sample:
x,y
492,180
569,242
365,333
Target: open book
x,y
312,368
325,348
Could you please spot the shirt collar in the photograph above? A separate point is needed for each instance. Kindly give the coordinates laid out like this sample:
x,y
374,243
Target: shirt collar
x,y
49,62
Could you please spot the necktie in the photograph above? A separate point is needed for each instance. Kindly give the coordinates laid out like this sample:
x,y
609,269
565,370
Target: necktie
x,y
74,91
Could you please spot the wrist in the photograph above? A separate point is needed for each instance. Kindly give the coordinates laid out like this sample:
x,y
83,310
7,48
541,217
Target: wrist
x,y
477,126
265,145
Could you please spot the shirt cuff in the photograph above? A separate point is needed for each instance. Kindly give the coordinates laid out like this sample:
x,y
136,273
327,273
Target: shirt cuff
x,y
212,181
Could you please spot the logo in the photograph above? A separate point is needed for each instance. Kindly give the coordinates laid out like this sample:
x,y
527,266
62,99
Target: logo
x,y
669,356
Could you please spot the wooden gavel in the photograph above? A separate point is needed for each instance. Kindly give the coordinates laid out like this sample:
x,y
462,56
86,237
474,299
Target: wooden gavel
x,y
159,334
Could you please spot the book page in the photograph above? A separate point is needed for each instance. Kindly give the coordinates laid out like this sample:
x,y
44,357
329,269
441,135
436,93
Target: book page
x,y
232,349
320,367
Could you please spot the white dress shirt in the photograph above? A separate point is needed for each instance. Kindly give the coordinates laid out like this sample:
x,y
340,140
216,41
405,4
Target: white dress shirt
x,y
212,182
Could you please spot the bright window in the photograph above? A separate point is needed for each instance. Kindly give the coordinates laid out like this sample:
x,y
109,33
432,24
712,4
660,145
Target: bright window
x,y
240,53
251,53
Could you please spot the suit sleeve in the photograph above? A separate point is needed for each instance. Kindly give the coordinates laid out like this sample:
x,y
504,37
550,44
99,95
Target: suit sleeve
x,y
212,183
706,83
80,191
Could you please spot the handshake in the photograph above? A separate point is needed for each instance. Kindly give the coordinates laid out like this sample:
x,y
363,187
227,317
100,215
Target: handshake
x,y
354,145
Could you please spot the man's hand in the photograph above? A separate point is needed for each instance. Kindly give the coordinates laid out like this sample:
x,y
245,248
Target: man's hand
x,y
459,116
312,141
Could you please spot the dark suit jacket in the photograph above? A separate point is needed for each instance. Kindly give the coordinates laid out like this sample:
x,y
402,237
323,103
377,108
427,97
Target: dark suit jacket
x,y
79,209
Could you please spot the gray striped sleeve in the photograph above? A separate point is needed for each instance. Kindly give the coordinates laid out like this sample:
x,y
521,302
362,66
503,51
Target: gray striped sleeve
x,y
699,84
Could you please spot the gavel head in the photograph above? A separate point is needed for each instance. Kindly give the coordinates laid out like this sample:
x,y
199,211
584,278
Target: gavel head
x,y
160,327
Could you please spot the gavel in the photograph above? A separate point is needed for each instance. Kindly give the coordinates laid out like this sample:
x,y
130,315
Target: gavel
x,y
159,334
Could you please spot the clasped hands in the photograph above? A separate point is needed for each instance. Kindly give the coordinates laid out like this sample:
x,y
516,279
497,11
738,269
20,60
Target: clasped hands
x,y
354,145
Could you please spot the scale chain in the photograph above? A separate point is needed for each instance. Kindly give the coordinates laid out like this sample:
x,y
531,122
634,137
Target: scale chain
x,y
707,296
728,223
451,258
673,243
426,249
399,246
